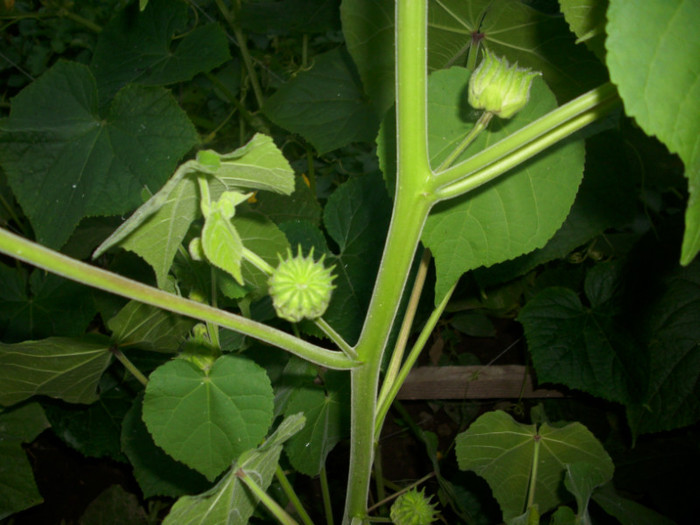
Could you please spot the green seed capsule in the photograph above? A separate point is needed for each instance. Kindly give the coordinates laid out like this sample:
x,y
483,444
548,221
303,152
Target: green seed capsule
x,y
300,287
413,508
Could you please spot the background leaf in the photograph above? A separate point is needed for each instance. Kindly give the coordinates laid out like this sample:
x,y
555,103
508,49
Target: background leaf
x,y
513,214
155,48
60,152
64,368
18,490
586,18
289,16
501,450
653,52
325,105
206,419
115,506
149,328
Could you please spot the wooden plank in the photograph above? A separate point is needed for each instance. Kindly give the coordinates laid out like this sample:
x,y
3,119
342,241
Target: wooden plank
x,y
472,382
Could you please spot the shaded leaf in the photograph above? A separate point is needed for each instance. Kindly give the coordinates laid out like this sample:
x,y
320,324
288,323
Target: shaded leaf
x,y
509,216
626,511
149,328
325,104
155,48
581,480
115,506
300,205
60,152
289,16
586,18
64,368
266,240
653,51
18,491
207,418
502,451
230,502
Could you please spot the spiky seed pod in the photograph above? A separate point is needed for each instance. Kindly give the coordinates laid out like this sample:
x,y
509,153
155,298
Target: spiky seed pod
x,y
300,287
413,508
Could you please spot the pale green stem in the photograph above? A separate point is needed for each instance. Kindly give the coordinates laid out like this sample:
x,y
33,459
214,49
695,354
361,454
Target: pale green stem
x,y
391,393
254,259
525,143
326,495
408,217
55,262
213,329
479,126
274,507
405,331
204,195
129,366
378,473
292,495
533,472
334,336
402,491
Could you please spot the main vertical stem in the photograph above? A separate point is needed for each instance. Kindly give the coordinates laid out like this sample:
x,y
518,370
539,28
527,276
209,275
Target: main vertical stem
x,y
411,207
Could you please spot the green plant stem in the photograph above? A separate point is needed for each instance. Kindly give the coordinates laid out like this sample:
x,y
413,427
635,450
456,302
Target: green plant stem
x,y
386,401
213,329
334,336
274,507
525,143
378,474
411,208
55,262
533,473
92,26
288,489
479,126
129,365
402,491
326,495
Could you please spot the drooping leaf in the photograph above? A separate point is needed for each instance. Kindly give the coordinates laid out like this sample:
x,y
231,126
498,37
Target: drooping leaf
x,y
155,48
221,241
513,214
42,304
502,451
673,332
653,51
327,422
325,105
585,347
156,472
60,152
586,18
230,502
356,217
60,367
18,491
149,328
581,480
206,419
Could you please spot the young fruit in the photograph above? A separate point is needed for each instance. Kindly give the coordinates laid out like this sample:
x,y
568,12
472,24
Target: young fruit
x,y
300,287
413,508
500,88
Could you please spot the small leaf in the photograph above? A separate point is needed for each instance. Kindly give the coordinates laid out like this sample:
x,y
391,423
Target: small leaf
x,y
502,451
222,244
18,489
60,152
149,328
325,104
230,502
64,368
586,18
652,57
206,419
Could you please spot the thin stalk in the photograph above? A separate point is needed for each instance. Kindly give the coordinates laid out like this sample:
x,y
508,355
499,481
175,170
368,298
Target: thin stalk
x,y
257,261
212,329
55,262
533,474
326,495
379,474
402,491
129,365
334,336
583,110
292,495
411,208
92,26
388,399
479,126
274,507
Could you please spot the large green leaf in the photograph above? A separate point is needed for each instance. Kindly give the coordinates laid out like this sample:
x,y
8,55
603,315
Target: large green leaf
x,y
673,332
356,217
325,105
653,53
207,418
327,421
584,346
60,152
510,216
150,328
18,490
155,47
156,473
42,304
64,368
586,18
503,452
230,502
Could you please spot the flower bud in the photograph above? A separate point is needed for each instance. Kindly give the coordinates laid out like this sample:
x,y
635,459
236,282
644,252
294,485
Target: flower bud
x,y
300,287
499,88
